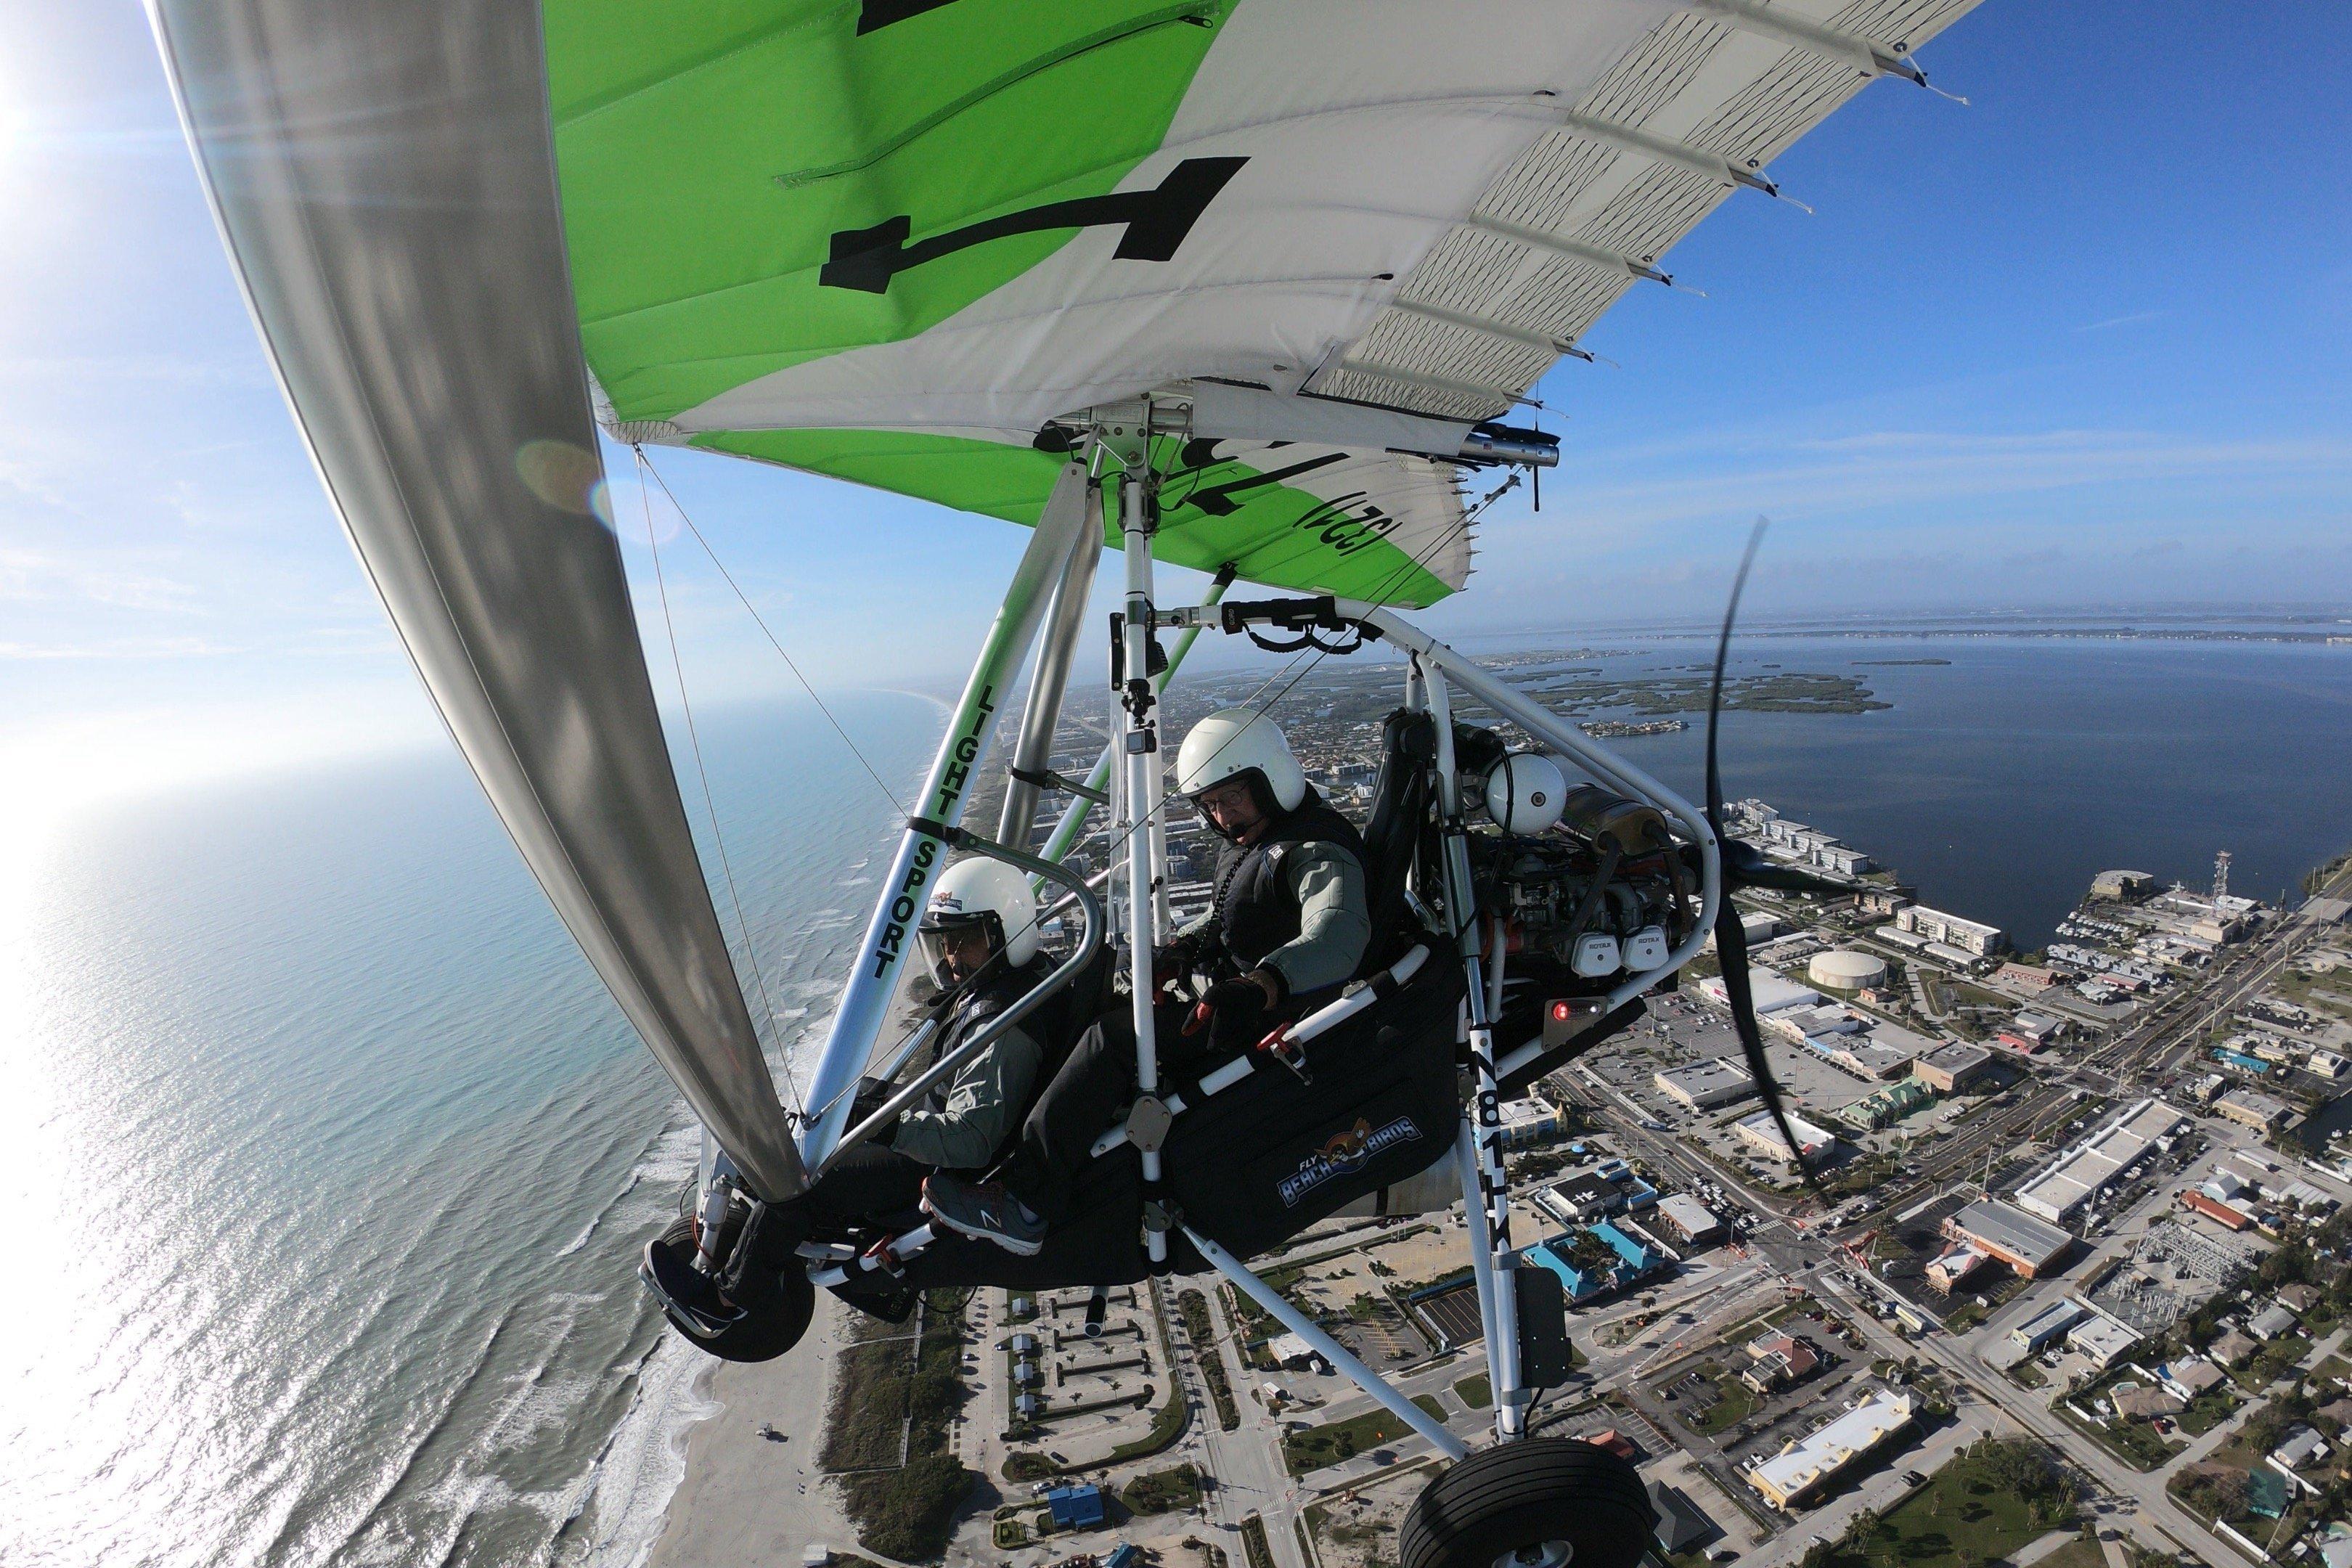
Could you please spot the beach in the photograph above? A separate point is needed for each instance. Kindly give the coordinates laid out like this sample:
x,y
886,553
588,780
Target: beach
x,y
746,1497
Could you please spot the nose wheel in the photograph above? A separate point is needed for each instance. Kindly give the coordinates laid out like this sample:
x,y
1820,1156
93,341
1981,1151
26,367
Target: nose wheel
x,y
1537,1502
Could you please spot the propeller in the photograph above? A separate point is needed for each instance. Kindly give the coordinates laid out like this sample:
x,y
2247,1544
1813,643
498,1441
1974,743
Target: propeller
x,y
1744,866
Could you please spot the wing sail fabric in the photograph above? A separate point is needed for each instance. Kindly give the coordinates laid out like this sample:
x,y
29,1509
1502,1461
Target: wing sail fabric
x,y
382,177
889,239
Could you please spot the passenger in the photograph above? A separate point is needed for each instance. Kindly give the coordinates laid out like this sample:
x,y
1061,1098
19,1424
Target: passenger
x,y
1289,926
978,933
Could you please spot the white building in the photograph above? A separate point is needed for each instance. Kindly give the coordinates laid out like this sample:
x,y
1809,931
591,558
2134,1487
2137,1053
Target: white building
x,y
1759,1133
1770,991
2094,1165
1802,1468
1703,1086
1971,936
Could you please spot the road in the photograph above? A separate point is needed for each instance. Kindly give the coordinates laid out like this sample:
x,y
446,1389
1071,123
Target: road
x,y
1247,1463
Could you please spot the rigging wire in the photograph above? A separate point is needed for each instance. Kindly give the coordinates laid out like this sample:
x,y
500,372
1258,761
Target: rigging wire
x,y
646,465
694,738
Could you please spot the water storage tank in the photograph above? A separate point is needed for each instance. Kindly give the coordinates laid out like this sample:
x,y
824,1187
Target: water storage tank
x,y
1844,970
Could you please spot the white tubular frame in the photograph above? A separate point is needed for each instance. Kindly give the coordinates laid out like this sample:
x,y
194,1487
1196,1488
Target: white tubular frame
x,y
1139,744
1073,816
1498,1307
889,933
1032,752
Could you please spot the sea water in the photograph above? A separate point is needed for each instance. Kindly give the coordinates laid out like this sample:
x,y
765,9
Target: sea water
x,y
325,1160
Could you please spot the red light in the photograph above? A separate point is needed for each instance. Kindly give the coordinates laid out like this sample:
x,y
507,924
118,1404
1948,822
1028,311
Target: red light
x,y
1561,1012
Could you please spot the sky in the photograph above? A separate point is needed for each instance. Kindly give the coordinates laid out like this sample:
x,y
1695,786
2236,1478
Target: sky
x,y
2082,342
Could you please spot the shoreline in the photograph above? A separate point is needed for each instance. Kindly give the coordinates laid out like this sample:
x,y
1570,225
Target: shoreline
x,y
743,1498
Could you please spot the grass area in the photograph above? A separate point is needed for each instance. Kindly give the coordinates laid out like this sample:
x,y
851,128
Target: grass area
x,y
1254,1544
909,1512
2076,1553
2135,1443
864,1433
1475,1391
2028,1374
1022,1464
1202,1332
1162,1491
1336,1440
1984,1505
1735,1402
2206,1412
1168,1421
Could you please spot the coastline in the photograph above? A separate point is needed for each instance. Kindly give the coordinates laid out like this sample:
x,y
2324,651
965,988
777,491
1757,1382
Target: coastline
x,y
743,1498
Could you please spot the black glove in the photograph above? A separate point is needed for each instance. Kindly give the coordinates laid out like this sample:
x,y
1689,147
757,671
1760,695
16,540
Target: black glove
x,y
1174,959
1238,1013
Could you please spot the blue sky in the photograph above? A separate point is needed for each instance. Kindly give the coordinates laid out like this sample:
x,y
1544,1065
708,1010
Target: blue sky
x,y
2083,342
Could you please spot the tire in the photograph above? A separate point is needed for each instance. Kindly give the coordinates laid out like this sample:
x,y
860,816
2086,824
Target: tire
x,y
768,1330
1554,1502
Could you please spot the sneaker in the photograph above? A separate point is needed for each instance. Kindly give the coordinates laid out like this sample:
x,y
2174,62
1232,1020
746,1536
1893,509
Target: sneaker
x,y
985,1211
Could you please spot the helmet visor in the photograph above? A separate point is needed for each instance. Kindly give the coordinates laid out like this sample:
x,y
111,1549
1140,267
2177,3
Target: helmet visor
x,y
956,946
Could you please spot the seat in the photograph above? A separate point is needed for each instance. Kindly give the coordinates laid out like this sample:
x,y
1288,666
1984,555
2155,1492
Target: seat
x,y
1393,831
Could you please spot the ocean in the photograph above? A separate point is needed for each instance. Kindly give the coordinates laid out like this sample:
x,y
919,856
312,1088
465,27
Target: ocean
x,y
325,1160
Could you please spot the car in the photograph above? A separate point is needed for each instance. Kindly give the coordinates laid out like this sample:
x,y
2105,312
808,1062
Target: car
x,y
1914,1479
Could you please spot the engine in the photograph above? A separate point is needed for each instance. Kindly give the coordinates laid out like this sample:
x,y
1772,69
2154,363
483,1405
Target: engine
x,y
1602,895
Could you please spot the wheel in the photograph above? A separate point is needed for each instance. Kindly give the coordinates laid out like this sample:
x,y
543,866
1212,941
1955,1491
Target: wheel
x,y
1533,1502
768,1327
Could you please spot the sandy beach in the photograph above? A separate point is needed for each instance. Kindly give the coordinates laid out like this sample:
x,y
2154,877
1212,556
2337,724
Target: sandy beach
x,y
746,1498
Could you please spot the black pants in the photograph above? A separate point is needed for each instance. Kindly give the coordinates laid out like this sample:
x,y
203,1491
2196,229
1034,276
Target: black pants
x,y
872,1182
1096,1084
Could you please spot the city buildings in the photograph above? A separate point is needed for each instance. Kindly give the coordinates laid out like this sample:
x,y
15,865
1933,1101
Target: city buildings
x,y
2025,1243
1890,1103
1954,1069
1800,1471
1689,1220
2123,887
2088,1169
1843,970
2249,1108
2045,1327
1973,938
1704,1085
1763,1138
1768,991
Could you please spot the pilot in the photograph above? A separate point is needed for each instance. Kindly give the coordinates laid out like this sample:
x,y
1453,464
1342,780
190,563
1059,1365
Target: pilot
x,y
1288,926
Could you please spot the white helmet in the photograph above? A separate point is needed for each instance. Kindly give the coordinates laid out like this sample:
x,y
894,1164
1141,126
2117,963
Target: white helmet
x,y
989,894
1235,741
1525,793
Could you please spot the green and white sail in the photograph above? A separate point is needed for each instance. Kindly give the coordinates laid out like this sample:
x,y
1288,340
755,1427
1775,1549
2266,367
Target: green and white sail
x,y
889,240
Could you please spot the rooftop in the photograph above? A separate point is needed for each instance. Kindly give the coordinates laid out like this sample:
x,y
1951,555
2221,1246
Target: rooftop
x,y
1804,1465
2006,1229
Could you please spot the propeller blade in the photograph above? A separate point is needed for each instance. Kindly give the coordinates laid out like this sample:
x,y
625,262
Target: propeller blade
x,y
1731,949
1714,692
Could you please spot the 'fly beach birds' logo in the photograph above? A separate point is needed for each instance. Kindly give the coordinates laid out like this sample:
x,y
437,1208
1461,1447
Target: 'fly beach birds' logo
x,y
1345,1153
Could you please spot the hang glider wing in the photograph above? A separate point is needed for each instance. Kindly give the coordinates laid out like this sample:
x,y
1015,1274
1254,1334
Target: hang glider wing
x,y
891,239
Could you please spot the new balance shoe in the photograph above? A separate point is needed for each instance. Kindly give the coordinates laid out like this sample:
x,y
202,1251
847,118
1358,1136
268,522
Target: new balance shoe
x,y
984,1211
